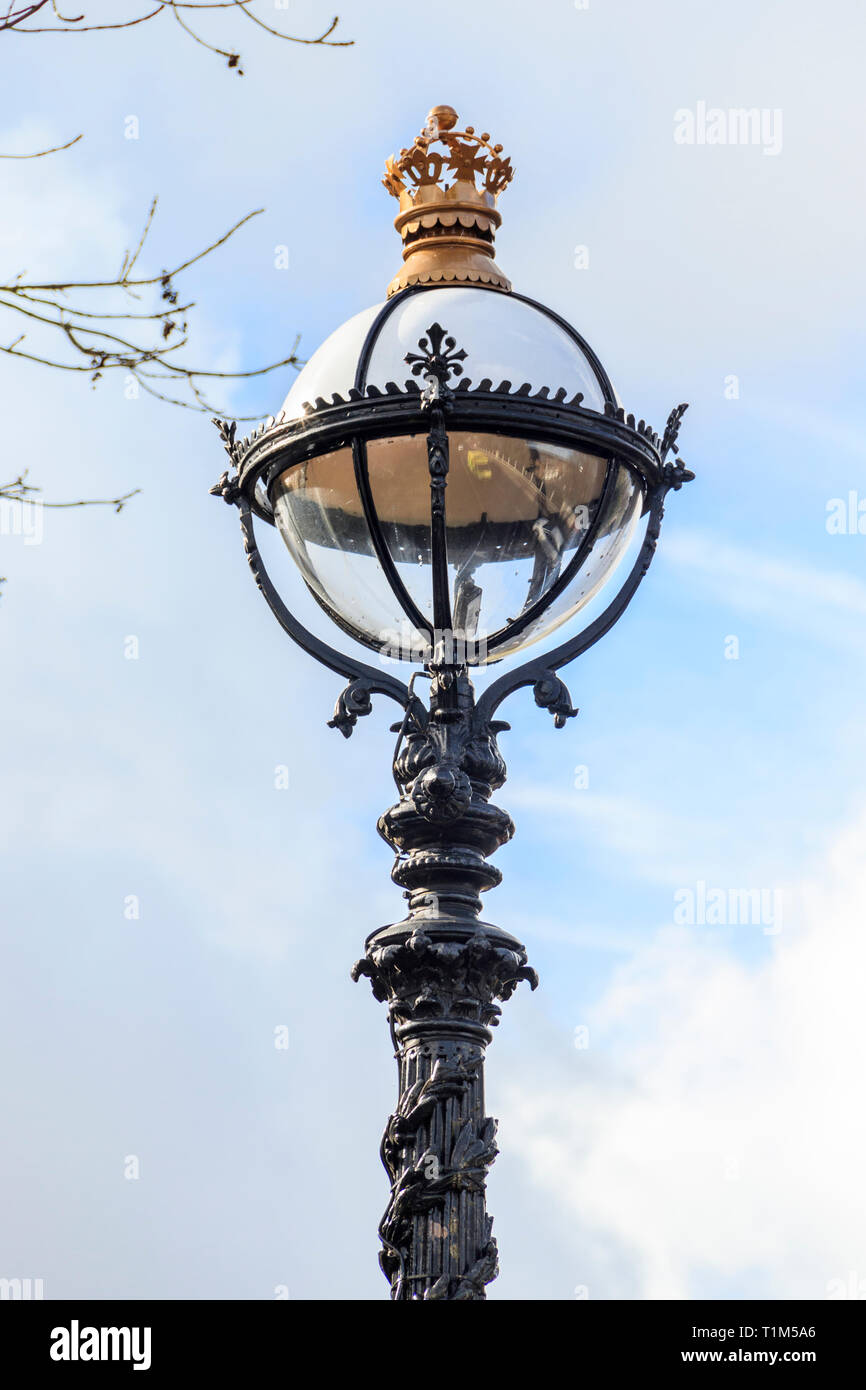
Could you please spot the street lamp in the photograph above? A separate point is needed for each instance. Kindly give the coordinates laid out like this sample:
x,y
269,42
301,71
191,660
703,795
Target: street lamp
x,y
449,520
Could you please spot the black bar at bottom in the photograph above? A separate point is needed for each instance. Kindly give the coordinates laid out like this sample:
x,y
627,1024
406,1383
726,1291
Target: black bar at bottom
x,y
63,1338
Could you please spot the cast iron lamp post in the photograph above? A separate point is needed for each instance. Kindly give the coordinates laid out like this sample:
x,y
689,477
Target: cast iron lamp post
x,y
449,521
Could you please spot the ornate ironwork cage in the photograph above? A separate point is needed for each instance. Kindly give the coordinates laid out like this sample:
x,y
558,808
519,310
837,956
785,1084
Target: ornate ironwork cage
x,y
396,499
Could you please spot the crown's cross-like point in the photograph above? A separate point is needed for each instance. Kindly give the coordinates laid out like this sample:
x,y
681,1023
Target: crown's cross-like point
x,y
447,184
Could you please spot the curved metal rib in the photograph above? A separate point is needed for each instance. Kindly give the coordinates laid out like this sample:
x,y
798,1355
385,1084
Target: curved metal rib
x,y
525,619
375,329
362,478
604,380
383,554
364,680
539,669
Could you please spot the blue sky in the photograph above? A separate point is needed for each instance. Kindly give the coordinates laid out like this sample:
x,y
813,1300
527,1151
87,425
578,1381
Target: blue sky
x,y
709,1140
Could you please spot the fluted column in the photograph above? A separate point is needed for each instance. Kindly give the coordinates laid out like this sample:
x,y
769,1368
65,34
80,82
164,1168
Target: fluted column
x,y
441,972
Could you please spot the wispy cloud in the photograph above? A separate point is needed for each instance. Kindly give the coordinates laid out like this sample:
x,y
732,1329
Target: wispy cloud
x,y
647,839
829,604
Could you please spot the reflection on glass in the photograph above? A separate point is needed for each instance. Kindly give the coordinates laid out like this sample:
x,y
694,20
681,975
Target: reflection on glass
x,y
319,515
620,513
517,512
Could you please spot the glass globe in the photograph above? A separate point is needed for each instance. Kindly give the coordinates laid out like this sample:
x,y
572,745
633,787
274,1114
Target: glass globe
x,y
505,338
520,512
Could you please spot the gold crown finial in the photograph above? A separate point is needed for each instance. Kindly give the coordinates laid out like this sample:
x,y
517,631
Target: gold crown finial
x,y
447,184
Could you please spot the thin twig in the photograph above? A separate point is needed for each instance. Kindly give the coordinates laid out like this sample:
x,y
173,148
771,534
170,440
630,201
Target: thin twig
x,y
55,149
125,282
14,22
90,332
19,490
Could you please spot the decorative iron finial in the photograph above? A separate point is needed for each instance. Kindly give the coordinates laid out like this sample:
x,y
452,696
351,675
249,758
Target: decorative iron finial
x,y
447,184
437,366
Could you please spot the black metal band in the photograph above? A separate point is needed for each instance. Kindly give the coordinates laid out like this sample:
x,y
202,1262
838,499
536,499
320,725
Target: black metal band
x,y
399,411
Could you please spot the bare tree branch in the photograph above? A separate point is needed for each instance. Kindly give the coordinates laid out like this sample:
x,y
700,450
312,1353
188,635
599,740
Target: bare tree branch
x,y
15,20
19,490
71,313
88,331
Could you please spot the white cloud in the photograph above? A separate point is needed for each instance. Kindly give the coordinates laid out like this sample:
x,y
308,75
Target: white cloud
x,y
713,1134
